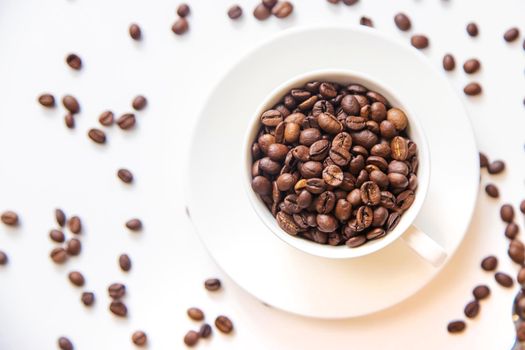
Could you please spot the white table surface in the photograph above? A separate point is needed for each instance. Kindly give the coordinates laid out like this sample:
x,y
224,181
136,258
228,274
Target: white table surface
x,y
44,165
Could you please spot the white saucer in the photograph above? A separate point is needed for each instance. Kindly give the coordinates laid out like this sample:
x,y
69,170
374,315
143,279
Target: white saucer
x,y
250,253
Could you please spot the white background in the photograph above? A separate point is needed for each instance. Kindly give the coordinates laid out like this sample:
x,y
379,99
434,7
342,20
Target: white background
x,y
44,165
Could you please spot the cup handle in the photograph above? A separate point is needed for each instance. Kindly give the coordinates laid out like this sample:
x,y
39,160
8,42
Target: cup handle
x,y
424,246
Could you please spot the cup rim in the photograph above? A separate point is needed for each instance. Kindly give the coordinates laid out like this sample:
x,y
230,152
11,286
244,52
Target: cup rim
x,y
342,251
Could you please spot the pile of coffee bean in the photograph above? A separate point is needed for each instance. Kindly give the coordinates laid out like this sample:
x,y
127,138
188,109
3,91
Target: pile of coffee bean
x,y
181,25
334,164
222,323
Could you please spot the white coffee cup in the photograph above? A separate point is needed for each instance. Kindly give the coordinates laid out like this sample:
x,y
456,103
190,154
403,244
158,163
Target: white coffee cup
x,y
420,242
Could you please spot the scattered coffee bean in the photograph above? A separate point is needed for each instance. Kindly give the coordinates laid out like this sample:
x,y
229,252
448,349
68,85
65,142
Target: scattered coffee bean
x,y
69,120
492,190
139,338
117,290
481,292
195,314
504,280
490,263
472,29
139,103
511,34
97,135
183,10
483,160
71,104
87,298
366,21
507,213
191,338
512,230
74,61
496,167
46,100
9,218
235,12
224,324
282,9
58,255
65,344
261,12
60,217
522,206
419,41
471,66
521,276
205,331
76,278
516,251
472,309
126,121
106,118
350,2
456,326
180,26
212,284
333,1
449,63
134,224
269,3
402,22
135,32
3,258
125,175
73,247
124,262
118,308
472,89
75,224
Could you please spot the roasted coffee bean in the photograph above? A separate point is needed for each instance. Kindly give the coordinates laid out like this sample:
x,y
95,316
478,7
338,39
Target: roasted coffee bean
x,y
392,221
381,150
235,12
520,332
322,106
309,103
364,138
370,193
139,103
356,164
183,10
3,258
134,224
364,216
402,22
75,224
205,331
472,89
311,169
419,41
125,175
356,241
503,279
398,118
412,182
329,123
224,324
350,2
87,298
490,263
304,199
405,199
301,220
380,215
380,178
265,141
521,276
319,150
57,236
46,100
180,26
388,200
387,129
507,213
76,278
126,121
366,21
334,1
65,344
483,160
71,104
398,181
449,63
350,105
355,123
116,290
326,222
456,326
192,338
287,223
74,61
492,190
315,185
139,338
58,255
512,230
9,218
69,120
212,284
325,203
516,252
97,136
118,308
135,32
124,262
340,156
399,148
472,309
73,247
271,118
282,9
398,167
511,34
308,136
106,118
471,66
361,178
279,132
472,29
378,162
496,167
375,233
327,90
285,182
333,175
195,314
343,210
278,151
261,12
481,292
